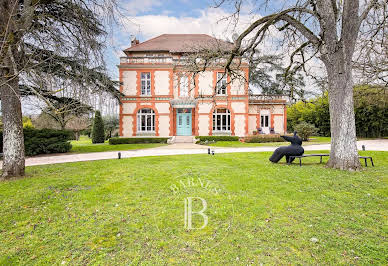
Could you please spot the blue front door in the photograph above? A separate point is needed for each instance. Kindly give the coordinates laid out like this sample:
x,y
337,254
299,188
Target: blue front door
x,y
183,122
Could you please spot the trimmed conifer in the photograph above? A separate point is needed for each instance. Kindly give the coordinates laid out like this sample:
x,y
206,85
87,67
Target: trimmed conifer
x,y
98,132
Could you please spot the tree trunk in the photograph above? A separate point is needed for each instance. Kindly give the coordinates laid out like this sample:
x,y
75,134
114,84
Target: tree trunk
x,y
343,153
13,139
77,134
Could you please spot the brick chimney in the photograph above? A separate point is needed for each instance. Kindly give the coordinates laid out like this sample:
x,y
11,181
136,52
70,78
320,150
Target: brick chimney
x,y
134,42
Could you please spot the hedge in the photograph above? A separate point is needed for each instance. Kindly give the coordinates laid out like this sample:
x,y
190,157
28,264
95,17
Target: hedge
x,y
115,141
263,139
217,138
43,141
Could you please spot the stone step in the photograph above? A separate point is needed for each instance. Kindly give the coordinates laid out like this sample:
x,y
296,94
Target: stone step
x,y
184,139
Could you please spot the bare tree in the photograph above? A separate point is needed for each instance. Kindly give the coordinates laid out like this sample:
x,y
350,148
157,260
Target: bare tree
x,y
327,30
77,124
371,55
74,123
111,124
63,110
38,38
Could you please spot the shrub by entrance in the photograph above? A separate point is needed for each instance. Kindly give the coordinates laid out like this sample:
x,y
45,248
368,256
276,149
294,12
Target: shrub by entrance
x,y
217,138
115,141
264,138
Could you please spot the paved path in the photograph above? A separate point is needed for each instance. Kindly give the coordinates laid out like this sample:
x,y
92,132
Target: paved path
x,y
180,149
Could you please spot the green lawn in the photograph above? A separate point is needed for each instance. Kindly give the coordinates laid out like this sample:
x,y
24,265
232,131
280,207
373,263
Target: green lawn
x,y
313,140
125,211
318,139
85,145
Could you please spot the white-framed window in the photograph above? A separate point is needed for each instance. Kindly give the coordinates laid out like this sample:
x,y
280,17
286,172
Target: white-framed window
x,y
221,120
146,120
145,83
184,86
264,120
221,83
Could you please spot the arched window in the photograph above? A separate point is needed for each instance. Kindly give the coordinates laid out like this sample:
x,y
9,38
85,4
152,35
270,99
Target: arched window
x,y
221,120
146,120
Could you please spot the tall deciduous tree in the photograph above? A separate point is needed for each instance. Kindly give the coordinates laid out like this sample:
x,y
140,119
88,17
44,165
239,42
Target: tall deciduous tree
x,y
63,39
327,30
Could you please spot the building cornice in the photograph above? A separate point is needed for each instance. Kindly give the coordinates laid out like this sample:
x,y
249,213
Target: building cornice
x,y
142,66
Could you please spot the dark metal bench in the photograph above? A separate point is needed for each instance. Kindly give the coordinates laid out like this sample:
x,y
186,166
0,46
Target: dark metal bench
x,y
306,155
321,155
366,159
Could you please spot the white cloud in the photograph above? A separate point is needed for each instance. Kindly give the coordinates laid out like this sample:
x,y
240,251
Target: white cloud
x,y
134,7
214,22
208,22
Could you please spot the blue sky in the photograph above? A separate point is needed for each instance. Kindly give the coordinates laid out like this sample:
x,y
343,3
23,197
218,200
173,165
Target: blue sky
x,y
170,7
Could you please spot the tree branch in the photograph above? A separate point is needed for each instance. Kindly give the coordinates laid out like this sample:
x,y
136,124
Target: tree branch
x,y
306,32
364,14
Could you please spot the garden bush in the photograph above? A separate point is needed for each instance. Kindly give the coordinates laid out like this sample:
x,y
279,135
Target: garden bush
x,y
263,138
305,130
86,132
115,141
217,138
315,111
72,134
27,123
43,141
98,132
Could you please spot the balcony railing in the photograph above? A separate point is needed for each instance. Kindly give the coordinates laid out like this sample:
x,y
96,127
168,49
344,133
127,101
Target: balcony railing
x,y
263,97
215,61
146,60
165,60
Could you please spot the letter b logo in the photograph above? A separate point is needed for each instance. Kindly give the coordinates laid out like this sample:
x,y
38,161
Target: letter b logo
x,y
189,212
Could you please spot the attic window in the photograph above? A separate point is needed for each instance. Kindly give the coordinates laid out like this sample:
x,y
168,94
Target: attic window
x,y
221,83
145,83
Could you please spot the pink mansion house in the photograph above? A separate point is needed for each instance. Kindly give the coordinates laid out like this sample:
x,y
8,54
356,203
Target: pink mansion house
x,y
159,101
